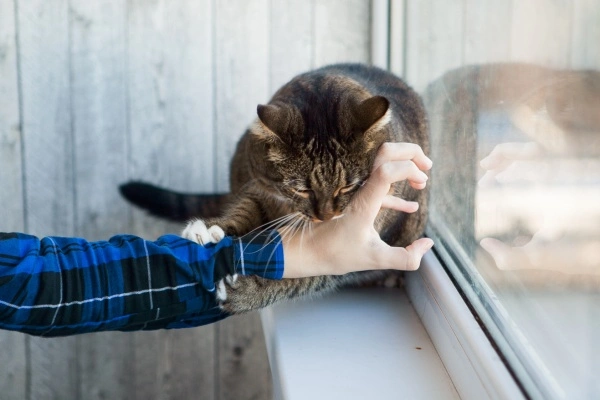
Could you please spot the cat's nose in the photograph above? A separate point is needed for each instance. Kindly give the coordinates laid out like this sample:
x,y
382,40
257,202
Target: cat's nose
x,y
324,215
327,216
324,209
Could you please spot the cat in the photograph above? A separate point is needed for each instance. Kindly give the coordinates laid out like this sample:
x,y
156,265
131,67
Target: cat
x,y
310,149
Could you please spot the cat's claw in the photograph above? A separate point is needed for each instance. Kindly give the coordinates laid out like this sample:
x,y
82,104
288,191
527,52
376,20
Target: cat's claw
x,y
230,280
197,231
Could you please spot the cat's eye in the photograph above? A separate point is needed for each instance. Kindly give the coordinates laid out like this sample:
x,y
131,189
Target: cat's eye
x,y
306,193
349,188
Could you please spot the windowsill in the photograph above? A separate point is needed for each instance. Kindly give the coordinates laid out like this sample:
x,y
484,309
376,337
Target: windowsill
x,y
355,344
372,343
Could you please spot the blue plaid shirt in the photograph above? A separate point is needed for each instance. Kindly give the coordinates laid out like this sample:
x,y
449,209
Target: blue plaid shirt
x,y
62,286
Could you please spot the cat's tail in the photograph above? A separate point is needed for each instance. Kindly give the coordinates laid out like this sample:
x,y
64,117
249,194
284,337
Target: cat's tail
x,y
172,205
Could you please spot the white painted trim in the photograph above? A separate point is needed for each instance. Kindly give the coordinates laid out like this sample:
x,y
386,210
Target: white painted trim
x,y
396,39
473,364
380,33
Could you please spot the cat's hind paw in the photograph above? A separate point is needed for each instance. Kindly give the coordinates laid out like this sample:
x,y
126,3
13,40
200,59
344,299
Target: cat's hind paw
x,y
198,232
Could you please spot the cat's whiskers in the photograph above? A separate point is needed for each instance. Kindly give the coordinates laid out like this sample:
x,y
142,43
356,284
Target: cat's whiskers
x,y
289,231
292,229
290,225
304,223
280,224
272,225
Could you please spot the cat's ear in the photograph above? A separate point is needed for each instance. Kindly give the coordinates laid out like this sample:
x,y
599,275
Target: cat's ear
x,y
272,121
371,114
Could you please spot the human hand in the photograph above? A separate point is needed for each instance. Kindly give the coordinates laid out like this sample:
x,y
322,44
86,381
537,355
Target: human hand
x,y
536,219
351,243
567,256
508,161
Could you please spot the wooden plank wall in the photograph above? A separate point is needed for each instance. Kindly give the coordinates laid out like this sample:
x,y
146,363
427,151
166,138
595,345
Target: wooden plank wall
x,y
93,93
13,358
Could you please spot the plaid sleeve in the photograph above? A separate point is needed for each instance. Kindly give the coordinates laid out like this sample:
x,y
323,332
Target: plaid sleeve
x,y
260,255
62,286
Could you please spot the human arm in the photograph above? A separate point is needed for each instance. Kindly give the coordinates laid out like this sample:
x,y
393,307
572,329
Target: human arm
x,y
58,286
62,286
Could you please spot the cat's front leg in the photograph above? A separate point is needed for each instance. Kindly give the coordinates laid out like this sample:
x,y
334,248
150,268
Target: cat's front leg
x,y
240,218
239,294
198,231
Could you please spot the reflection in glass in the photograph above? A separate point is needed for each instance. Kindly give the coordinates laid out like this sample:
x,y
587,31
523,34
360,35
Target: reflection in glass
x,y
515,203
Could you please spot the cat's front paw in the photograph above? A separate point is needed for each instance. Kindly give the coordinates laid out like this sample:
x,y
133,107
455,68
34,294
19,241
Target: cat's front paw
x,y
239,294
198,232
229,281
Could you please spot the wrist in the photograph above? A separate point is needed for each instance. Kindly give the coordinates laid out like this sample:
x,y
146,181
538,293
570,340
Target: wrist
x,y
302,258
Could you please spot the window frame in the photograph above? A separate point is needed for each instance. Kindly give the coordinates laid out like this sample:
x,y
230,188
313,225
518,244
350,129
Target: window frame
x,y
471,359
486,356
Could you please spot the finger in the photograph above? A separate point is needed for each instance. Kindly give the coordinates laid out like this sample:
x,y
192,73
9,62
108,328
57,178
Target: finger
x,y
495,161
369,198
402,152
518,171
416,251
492,160
398,204
417,185
405,259
500,252
509,151
488,179
396,171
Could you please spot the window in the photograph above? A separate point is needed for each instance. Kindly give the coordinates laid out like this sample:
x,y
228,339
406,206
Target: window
x,y
513,95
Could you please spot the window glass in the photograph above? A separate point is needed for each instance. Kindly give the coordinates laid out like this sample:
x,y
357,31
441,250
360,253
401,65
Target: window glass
x,y
513,97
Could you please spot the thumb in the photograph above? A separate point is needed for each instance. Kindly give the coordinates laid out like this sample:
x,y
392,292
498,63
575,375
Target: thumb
x,y
405,259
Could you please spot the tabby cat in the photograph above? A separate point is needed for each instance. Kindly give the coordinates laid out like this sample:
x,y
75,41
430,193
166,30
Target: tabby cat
x,y
311,147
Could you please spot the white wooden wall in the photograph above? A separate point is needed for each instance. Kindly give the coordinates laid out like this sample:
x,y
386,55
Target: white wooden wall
x,y
96,92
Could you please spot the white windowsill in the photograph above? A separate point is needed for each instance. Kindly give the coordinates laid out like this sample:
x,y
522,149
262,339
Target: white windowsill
x,y
372,343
